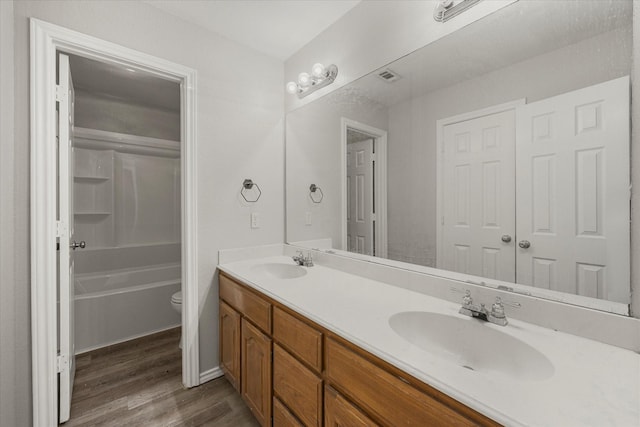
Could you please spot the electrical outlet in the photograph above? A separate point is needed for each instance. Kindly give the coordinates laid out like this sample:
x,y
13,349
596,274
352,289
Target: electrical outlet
x,y
255,220
307,218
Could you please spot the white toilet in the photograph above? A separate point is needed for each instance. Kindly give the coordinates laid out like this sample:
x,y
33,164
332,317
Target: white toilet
x,y
176,303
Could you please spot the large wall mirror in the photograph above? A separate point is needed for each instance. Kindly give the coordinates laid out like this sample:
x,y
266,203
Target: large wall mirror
x,y
498,154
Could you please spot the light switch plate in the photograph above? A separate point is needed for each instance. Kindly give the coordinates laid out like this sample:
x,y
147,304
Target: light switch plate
x,y
255,220
307,218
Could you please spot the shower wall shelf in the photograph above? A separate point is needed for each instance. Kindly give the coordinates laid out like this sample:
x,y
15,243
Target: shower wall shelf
x,y
91,213
99,155
91,178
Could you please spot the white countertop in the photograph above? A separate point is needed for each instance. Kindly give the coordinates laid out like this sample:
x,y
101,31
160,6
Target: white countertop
x,y
593,384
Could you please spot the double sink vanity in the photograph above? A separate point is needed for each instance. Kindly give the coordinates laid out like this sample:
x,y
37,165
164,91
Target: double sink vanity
x,y
325,345
473,258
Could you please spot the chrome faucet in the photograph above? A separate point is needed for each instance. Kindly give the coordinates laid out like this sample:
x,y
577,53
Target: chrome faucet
x,y
496,315
300,259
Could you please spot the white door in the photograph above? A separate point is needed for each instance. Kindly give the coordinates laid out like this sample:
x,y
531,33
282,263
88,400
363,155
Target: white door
x,y
477,193
573,191
360,217
66,356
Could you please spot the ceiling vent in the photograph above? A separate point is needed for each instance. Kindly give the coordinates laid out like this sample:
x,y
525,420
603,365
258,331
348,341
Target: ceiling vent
x,y
388,75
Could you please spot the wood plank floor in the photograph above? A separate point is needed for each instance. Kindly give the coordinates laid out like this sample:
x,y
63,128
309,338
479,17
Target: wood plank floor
x,y
138,383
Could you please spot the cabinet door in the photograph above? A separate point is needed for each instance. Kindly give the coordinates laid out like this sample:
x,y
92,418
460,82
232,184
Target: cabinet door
x,y
338,412
230,344
256,372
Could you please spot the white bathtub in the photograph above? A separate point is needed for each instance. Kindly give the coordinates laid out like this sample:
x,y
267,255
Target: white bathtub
x,y
119,305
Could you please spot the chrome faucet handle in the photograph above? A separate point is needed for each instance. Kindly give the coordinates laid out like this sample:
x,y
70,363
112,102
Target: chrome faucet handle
x,y
298,257
306,261
497,308
466,299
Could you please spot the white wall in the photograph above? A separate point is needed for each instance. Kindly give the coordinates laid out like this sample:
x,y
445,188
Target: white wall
x,y
15,375
314,157
240,135
412,127
635,168
373,34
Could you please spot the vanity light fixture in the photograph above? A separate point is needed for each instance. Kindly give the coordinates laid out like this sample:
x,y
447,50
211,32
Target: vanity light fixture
x,y
320,77
446,9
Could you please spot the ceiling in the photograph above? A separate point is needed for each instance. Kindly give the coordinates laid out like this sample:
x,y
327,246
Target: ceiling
x,y
277,28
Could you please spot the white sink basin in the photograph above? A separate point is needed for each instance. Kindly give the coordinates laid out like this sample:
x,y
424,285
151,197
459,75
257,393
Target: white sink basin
x,y
472,344
280,270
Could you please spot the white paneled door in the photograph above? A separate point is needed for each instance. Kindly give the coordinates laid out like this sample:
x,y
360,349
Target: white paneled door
x,y
478,214
66,244
573,191
539,195
360,215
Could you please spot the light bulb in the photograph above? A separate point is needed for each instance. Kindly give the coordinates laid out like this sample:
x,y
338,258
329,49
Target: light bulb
x,y
317,70
292,87
304,79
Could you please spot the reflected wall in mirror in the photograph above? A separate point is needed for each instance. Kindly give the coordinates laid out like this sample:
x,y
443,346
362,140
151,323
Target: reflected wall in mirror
x,y
499,151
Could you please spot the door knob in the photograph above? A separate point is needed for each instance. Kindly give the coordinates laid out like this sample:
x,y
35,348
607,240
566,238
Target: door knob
x,y
524,244
76,245
506,238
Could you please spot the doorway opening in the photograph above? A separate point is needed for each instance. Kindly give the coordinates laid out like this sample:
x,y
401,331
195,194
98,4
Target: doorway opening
x,y
52,232
119,195
364,188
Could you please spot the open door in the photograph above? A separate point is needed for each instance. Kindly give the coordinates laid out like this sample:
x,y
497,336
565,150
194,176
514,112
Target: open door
x,y
66,244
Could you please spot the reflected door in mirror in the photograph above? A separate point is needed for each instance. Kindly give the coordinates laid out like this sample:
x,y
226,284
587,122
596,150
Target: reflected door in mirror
x,y
478,195
360,237
573,191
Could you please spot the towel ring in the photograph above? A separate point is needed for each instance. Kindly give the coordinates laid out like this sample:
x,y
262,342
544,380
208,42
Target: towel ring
x,y
248,184
314,189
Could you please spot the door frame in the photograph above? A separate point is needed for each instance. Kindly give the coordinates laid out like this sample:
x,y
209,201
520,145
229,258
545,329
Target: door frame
x,y
45,40
440,124
380,189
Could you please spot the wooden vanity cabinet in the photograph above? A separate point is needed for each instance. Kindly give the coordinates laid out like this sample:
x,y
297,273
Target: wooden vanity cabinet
x,y
294,372
245,345
256,372
229,321
297,387
338,412
282,417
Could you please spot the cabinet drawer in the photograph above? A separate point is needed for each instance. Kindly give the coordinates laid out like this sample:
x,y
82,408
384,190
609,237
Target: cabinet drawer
x,y
297,387
299,338
247,303
282,417
340,413
383,395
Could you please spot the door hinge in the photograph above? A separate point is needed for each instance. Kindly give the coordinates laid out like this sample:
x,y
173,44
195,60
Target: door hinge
x,y
373,217
374,157
61,228
61,93
62,363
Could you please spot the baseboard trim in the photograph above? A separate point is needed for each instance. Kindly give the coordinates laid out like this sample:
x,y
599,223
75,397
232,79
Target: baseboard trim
x,y
210,374
122,340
